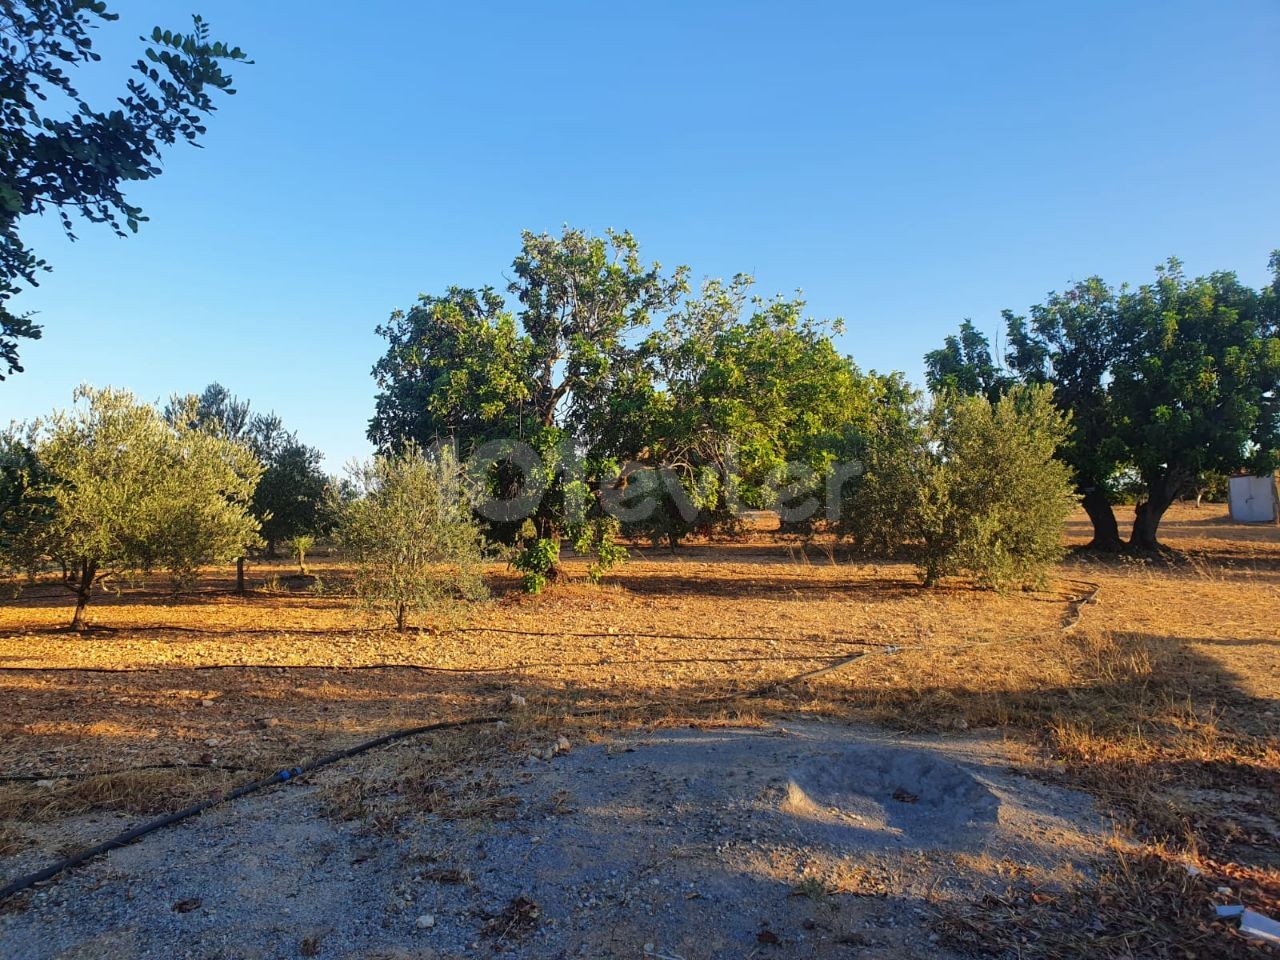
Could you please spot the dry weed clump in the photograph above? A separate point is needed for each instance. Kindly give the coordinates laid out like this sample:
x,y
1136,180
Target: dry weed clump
x,y
11,839
1189,782
1143,903
131,791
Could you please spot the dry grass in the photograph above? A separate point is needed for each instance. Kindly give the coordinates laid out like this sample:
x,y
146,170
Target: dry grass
x,y
1163,702
452,776
11,840
1145,903
131,791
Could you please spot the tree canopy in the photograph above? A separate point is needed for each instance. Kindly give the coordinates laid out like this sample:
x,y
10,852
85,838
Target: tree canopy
x,y
750,403
294,496
61,155
463,368
1195,385
1174,380
964,365
120,489
625,387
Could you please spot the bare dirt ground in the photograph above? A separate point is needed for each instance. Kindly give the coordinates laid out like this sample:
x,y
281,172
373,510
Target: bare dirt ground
x,y
1154,719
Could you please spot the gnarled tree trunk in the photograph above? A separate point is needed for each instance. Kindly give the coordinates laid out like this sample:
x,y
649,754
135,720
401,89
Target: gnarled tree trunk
x,y
83,587
1106,532
1161,492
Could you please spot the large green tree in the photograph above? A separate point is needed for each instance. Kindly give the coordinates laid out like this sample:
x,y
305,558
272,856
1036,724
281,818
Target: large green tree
x,y
61,155
750,405
1195,384
1172,381
1071,341
292,497
465,368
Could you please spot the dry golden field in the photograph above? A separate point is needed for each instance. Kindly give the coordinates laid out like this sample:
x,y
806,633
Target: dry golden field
x,y
1160,696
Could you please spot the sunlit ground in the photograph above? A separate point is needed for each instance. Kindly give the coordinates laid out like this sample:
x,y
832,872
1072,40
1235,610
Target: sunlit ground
x,y
1162,701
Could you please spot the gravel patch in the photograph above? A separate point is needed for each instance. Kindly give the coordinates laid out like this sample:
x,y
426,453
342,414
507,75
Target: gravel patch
x,y
799,840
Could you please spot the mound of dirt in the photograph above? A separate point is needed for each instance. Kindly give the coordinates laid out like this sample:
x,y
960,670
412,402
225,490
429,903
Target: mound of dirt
x,y
893,795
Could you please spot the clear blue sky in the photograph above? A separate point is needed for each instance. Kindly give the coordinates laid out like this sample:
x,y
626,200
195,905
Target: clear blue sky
x,y
905,167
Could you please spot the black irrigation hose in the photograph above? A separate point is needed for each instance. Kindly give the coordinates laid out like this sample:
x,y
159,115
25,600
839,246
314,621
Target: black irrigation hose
x,y
620,634
129,836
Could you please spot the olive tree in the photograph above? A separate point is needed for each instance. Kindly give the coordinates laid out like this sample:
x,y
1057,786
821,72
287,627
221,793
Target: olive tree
x,y
969,487
996,498
411,534
121,490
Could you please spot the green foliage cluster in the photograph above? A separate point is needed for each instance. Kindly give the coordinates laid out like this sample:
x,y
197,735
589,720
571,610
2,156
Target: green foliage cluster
x,y
537,561
629,390
967,487
411,534
61,155
964,365
561,368
25,507
294,498
111,487
751,406
1166,384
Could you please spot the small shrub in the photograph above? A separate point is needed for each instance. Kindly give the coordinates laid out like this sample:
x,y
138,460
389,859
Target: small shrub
x,y
536,562
411,534
300,545
973,488
998,497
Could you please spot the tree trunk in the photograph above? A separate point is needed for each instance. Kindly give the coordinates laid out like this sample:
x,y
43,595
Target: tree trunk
x,y
240,576
1106,532
1161,492
400,618
84,590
